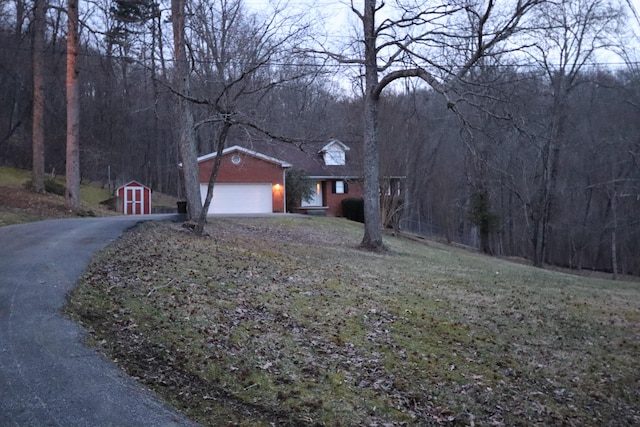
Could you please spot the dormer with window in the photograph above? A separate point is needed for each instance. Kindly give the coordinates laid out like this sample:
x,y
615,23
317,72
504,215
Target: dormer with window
x,y
334,153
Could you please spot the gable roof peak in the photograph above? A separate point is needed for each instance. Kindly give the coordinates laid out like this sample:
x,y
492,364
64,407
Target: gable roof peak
x,y
334,142
245,151
132,183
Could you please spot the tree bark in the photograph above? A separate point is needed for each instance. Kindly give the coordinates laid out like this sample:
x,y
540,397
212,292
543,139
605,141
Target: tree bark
x,y
614,240
72,193
186,139
374,85
550,160
37,58
372,225
222,138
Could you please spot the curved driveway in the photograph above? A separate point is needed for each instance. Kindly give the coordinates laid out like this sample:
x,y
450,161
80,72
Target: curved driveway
x,y
48,377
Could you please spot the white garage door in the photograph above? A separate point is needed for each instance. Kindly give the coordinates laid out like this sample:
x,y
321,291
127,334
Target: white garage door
x,y
239,198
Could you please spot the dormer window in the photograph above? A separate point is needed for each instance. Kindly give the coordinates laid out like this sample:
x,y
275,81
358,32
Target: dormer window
x,y
334,156
334,153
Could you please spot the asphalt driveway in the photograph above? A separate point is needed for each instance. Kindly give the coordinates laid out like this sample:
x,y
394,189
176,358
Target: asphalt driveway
x,y
48,377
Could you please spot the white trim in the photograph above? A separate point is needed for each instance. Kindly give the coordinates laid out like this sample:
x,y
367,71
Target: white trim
x,y
334,153
137,200
343,177
332,142
284,191
246,151
132,181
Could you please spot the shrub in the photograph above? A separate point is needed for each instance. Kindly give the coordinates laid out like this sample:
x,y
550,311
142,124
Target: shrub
x,y
53,186
481,215
299,188
353,209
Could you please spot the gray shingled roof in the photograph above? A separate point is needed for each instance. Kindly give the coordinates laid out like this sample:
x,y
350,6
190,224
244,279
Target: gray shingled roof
x,y
307,157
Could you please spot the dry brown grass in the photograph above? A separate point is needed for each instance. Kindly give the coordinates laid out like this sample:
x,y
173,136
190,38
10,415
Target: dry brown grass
x,y
18,204
282,321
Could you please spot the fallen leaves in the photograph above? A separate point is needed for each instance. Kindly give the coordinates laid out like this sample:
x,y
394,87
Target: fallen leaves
x,y
285,322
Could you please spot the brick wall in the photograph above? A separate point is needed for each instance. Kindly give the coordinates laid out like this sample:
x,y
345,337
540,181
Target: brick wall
x,y
249,170
334,201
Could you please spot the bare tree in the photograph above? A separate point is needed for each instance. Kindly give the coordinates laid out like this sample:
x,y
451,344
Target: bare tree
x,y
572,33
37,58
186,139
241,58
436,43
72,193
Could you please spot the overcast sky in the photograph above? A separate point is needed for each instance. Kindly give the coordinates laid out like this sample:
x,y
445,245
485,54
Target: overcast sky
x,y
339,20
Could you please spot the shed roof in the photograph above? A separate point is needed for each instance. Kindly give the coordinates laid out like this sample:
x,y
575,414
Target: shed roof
x,y
133,184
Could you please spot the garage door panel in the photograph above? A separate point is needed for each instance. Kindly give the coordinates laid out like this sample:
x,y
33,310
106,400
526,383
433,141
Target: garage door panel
x,y
239,198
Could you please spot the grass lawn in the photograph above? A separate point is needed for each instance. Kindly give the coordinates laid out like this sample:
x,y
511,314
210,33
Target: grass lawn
x,y
282,321
18,204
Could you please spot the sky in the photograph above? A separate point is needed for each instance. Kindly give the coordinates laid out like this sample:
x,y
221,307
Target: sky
x,y
339,20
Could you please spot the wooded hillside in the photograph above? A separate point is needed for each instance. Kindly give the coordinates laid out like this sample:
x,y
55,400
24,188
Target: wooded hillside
x,y
538,160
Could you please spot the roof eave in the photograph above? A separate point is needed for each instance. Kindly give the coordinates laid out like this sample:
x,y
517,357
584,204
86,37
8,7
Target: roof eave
x,y
246,151
335,177
334,141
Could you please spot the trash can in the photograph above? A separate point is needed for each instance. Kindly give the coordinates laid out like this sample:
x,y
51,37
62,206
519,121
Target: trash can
x,y
182,207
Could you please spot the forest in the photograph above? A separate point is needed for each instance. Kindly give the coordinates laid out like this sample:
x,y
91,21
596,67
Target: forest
x,y
532,152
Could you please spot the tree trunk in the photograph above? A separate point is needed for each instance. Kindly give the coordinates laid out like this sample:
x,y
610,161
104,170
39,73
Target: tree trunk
x,y
73,110
614,240
20,8
37,58
538,243
186,139
222,138
550,161
583,238
157,153
485,242
372,221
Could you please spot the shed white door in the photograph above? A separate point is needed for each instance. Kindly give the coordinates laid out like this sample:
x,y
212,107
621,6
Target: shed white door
x,y
133,201
239,198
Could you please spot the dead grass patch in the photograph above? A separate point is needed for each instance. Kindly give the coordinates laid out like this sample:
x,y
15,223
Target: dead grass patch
x,y
283,321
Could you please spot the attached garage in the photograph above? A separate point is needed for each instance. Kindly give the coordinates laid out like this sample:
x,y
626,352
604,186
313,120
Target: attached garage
x,y
247,182
249,198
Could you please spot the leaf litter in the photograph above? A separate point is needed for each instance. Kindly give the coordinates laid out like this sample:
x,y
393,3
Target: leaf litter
x,y
283,321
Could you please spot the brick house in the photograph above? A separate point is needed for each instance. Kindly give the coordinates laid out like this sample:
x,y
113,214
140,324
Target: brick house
x,y
251,178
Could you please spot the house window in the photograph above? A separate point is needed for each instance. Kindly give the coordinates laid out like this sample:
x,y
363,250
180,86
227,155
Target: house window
x,y
339,187
334,156
393,187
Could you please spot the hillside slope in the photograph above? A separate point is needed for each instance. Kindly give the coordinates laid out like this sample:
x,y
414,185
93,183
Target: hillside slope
x,y
283,321
18,204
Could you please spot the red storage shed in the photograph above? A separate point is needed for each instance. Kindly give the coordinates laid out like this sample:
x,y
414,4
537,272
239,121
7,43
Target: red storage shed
x,y
134,199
